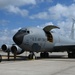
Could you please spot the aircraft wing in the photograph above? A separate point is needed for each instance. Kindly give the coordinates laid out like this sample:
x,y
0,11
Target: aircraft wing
x,y
64,47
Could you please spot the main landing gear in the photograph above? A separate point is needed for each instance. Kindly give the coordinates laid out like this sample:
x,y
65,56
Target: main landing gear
x,y
71,54
42,55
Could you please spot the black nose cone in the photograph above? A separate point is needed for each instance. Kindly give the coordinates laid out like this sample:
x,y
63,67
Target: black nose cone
x,y
18,38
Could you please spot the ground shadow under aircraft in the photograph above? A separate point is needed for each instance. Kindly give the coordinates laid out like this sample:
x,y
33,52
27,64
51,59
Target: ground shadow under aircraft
x,y
25,58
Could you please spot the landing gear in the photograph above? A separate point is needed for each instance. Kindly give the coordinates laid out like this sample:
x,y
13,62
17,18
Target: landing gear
x,y
44,55
71,54
31,56
0,58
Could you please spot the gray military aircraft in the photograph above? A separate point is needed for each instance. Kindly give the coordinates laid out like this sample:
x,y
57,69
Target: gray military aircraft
x,y
34,39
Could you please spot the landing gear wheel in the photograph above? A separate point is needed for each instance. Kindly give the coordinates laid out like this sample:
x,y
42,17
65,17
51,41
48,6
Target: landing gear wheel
x,y
31,56
44,55
71,55
0,58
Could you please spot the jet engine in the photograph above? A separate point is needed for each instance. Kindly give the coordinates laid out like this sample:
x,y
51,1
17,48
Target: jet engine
x,y
6,48
16,49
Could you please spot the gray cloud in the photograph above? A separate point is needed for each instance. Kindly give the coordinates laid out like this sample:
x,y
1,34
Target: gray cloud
x,y
4,22
40,1
5,3
6,36
56,12
17,11
42,15
13,6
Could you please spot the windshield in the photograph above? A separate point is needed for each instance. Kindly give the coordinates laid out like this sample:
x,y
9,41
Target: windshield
x,y
24,30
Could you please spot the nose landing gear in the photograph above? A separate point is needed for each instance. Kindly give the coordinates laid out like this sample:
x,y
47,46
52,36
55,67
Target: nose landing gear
x,y
42,55
31,56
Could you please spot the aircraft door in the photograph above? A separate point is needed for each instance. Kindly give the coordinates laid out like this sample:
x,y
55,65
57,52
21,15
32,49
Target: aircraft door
x,y
49,36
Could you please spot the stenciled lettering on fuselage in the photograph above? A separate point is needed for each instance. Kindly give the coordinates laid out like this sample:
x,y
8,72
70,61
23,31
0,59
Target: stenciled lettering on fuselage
x,y
38,39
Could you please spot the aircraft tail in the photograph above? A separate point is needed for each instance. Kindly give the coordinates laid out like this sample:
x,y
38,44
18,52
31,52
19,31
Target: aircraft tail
x,y
72,30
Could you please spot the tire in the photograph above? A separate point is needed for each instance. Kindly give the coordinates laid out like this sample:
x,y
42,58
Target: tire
x,y
44,55
0,58
70,55
30,56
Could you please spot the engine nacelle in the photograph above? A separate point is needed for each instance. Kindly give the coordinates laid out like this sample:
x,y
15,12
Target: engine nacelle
x,y
6,48
17,49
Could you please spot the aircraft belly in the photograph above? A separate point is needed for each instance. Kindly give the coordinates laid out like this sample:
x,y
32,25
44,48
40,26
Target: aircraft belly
x,y
48,46
36,47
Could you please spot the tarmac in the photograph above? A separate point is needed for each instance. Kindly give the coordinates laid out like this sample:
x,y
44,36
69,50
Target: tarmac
x,y
56,64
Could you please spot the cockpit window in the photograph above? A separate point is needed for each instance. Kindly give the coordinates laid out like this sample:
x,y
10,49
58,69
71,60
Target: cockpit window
x,y
27,31
24,30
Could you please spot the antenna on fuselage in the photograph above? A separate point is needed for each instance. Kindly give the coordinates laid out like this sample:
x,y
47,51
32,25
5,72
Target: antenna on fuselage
x,y
72,30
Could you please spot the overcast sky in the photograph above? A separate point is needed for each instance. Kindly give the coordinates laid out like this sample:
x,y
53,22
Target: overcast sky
x,y
16,14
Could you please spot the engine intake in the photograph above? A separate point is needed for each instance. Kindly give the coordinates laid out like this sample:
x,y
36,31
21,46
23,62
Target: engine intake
x,y
6,48
17,49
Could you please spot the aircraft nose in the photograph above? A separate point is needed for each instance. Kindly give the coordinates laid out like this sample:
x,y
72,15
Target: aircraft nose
x,y
18,38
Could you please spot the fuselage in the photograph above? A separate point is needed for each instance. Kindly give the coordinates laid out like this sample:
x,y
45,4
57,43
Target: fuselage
x,y
37,40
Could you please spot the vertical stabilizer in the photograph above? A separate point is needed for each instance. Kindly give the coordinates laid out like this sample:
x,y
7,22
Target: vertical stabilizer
x,y
72,30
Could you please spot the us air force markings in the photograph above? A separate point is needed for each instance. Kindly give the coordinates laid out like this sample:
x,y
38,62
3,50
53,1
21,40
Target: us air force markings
x,y
57,64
